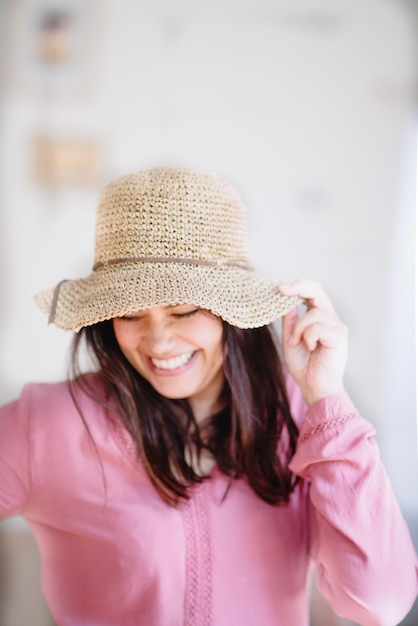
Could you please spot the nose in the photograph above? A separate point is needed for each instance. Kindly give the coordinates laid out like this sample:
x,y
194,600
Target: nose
x,y
159,340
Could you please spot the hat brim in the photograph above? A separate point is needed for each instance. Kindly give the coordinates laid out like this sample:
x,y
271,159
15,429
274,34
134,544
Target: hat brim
x,y
239,296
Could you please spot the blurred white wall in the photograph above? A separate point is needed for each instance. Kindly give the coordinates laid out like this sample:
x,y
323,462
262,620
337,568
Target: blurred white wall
x,y
307,106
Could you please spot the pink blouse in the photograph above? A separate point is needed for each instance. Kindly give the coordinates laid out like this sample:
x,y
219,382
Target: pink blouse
x,y
114,554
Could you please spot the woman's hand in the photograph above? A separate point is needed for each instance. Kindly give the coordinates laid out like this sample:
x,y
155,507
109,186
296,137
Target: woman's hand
x,y
315,343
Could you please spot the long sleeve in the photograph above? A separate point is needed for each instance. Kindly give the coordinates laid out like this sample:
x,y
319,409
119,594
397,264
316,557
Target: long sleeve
x,y
14,457
366,563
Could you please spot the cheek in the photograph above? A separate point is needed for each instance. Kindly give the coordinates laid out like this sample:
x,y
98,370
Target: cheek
x,y
125,337
213,339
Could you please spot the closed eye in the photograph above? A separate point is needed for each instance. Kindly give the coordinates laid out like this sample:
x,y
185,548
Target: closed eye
x,y
186,313
130,318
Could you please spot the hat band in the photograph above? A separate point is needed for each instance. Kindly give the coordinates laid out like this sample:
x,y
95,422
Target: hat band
x,y
54,302
164,259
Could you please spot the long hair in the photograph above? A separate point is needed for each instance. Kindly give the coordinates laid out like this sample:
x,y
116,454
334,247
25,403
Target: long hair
x,y
253,436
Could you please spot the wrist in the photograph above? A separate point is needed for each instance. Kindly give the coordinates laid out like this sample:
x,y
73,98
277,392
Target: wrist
x,y
311,397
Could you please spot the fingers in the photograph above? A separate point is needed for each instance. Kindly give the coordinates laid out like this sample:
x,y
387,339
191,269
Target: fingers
x,y
311,292
316,327
314,342
319,325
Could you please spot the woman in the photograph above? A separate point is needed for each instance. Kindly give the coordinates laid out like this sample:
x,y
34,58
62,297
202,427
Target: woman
x,y
189,479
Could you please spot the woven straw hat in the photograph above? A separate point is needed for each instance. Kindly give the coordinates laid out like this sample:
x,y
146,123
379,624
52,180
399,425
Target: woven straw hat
x,y
167,236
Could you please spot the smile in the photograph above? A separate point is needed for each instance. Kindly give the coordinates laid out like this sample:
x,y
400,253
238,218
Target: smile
x,y
174,362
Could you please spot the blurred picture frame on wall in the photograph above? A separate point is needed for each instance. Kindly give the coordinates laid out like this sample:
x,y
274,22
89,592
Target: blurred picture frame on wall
x,y
53,46
60,161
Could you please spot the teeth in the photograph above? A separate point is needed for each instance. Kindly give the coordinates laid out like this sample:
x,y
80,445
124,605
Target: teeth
x,y
172,364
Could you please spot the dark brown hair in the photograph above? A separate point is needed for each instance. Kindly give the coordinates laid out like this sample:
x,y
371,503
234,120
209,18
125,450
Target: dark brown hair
x,y
252,437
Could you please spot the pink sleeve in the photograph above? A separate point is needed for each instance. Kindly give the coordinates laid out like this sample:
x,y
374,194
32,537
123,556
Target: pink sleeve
x,y
14,458
366,562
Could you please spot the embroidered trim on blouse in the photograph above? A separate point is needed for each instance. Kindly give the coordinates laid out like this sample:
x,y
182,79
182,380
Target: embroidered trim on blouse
x,y
332,423
198,596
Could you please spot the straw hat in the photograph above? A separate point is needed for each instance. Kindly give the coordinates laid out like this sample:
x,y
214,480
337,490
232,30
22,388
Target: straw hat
x,y
167,236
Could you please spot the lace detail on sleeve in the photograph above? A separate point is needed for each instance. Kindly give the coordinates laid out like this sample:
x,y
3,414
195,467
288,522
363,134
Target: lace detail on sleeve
x,y
332,423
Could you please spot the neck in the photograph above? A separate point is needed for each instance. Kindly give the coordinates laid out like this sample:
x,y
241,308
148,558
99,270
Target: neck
x,y
208,401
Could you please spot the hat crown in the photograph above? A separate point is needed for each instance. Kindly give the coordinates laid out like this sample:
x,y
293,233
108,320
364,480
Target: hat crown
x,y
166,236
171,212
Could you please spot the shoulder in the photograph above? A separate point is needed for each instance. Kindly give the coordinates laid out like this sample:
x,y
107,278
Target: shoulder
x,y
50,404
36,397
58,394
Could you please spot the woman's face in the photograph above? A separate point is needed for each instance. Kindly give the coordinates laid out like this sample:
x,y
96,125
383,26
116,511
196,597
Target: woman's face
x,y
178,350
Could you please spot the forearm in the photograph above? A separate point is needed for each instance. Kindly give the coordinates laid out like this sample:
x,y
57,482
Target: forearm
x,y
365,559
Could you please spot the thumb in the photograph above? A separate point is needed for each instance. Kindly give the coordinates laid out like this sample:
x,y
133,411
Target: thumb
x,y
288,322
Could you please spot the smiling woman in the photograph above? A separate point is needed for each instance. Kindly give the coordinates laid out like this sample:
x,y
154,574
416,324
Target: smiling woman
x,y
213,418
189,478
178,350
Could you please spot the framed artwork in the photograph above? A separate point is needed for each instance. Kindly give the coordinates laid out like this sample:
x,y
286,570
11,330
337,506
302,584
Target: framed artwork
x,y
53,45
60,161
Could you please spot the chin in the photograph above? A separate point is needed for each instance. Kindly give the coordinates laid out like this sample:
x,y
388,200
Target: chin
x,y
173,394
